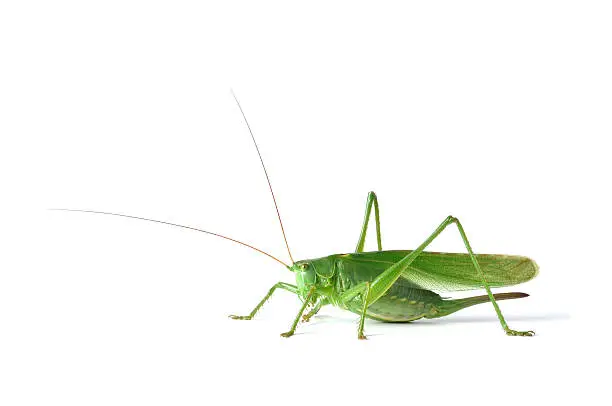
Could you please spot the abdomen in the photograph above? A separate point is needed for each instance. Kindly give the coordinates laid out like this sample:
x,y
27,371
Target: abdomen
x,y
403,302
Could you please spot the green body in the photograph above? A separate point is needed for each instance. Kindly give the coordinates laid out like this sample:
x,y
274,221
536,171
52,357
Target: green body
x,y
394,286
413,295
402,286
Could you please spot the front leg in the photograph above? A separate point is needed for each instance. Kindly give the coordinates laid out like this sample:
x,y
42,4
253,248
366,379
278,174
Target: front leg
x,y
299,315
281,285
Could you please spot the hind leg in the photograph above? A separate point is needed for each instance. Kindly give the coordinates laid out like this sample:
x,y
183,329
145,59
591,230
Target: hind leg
x,y
372,200
383,282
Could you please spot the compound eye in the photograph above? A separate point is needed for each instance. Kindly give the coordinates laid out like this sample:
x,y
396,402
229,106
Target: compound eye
x,y
304,266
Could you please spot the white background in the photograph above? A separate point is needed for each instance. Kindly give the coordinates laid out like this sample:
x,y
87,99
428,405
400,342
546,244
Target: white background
x,y
495,113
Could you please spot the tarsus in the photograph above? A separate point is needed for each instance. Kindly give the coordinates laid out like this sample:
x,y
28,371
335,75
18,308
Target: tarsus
x,y
267,177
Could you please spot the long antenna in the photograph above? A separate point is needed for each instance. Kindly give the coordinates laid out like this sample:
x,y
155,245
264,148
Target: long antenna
x,y
267,177
176,225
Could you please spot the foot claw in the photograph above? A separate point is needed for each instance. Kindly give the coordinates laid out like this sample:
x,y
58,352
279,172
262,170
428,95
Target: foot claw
x,y
520,333
362,337
234,317
287,334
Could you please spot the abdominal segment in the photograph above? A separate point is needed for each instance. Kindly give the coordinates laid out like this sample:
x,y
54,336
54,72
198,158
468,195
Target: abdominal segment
x,y
398,309
402,304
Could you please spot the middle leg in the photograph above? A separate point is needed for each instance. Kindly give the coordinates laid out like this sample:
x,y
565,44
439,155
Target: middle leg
x,y
320,303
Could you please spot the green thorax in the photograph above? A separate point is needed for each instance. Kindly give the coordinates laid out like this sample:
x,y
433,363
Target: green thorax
x,y
319,273
335,274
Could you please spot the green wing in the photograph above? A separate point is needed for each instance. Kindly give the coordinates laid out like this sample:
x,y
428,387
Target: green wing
x,y
443,272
